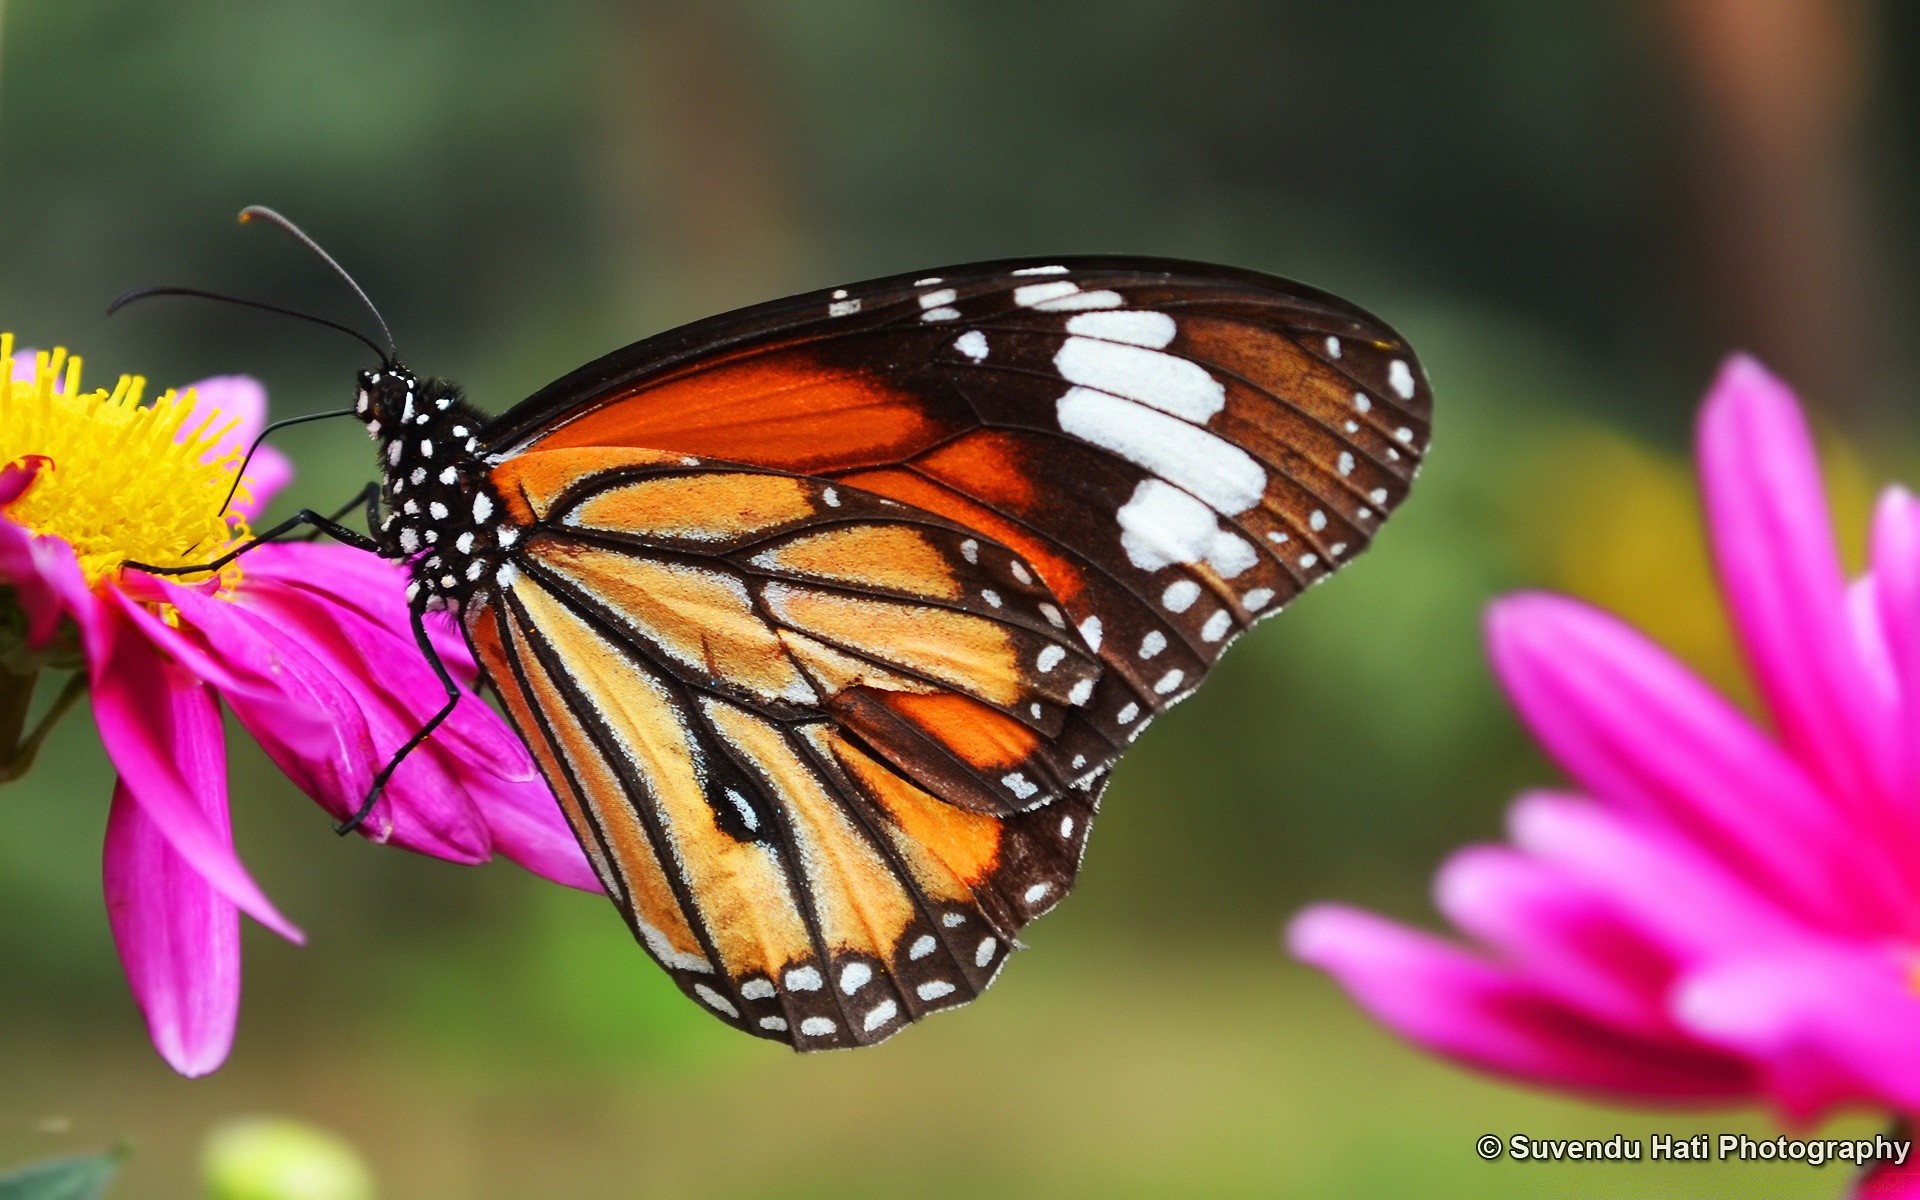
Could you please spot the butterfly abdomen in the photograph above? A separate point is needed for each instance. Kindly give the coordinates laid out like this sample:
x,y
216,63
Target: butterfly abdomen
x,y
444,520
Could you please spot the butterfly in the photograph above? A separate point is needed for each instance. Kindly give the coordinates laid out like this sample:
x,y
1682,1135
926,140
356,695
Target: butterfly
x,y
827,619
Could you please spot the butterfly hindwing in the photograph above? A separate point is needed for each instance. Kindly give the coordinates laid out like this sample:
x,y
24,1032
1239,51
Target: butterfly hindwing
x,y
748,687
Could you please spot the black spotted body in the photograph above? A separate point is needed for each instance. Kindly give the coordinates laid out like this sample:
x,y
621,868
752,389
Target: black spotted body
x,y
442,515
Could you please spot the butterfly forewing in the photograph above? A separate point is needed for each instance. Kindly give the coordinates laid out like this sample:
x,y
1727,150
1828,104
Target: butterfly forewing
x,y
829,617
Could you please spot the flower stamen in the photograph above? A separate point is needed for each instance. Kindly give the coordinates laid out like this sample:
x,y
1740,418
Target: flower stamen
x,y
122,481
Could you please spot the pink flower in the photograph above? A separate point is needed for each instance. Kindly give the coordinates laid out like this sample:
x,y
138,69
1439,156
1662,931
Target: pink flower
x,y
308,645
1717,912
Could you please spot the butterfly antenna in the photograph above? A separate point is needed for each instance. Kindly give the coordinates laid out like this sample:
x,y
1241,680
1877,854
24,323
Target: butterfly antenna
x,y
299,235
198,293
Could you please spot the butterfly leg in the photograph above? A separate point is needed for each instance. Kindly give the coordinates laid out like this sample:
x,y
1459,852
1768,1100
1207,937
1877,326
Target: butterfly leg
x,y
418,616
305,518
367,497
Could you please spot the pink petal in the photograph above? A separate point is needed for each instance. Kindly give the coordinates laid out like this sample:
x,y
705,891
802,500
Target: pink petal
x,y
141,704
1461,1006
241,398
1773,543
528,827
1562,934
1635,727
40,570
1896,584
1845,1018
343,729
1682,900
178,938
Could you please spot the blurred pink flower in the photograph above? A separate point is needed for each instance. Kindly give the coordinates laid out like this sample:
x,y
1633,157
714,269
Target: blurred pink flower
x,y
1719,913
308,645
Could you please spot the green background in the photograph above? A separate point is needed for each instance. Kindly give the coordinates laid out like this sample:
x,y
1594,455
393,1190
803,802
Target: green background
x,y
1572,210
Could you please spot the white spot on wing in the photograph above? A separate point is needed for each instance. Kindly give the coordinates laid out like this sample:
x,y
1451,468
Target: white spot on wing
x,y
936,299
1165,381
1257,599
983,954
715,999
1019,785
1162,525
1062,295
1153,643
1080,693
1216,626
1048,659
1333,347
1137,326
922,946
757,989
803,979
776,1024
1400,379
748,817
1169,681
1180,595
1038,892
841,308
854,976
879,1015
1209,467
816,1027
1053,270
940,314
973,344
933,989
1090,633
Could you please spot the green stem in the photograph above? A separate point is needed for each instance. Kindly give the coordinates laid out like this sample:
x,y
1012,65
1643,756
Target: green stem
x,y
20,759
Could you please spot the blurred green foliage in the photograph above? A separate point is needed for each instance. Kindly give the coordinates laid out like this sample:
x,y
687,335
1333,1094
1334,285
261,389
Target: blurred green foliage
x,y
525,185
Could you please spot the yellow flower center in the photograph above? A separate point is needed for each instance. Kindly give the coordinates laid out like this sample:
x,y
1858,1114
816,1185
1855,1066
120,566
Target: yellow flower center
x,y
121,482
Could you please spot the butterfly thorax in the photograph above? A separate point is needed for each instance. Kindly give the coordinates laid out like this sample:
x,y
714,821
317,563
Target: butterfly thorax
x,y
443,518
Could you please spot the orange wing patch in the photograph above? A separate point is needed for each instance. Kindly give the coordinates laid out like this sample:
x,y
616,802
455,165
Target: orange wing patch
x,y
531,483
894,557
702,618
953,850
1062,577
781,409
698,508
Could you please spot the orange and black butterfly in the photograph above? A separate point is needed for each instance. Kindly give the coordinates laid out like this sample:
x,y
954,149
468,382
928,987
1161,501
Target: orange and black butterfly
x,y
828,619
